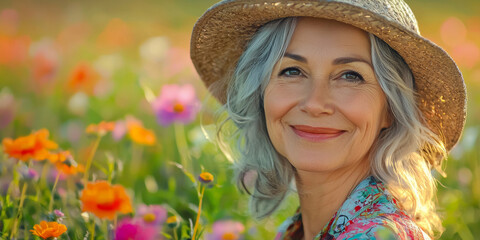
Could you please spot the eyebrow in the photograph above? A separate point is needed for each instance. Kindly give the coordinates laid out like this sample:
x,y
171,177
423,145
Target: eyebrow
x,y
346,60
337,61
295,57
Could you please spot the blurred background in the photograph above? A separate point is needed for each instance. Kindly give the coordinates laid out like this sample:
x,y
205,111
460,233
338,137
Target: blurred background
x,y
67,64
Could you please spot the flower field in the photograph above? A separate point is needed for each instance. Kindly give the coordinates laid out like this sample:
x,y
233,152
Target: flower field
x,y
107,132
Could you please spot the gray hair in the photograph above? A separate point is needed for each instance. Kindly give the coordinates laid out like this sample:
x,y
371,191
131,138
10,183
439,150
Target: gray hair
x,y
402,156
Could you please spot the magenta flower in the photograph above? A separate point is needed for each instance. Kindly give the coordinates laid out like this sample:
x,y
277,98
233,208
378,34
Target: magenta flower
x,y
28,173
154,215
52,175
176,104
226,229
58,213
131,229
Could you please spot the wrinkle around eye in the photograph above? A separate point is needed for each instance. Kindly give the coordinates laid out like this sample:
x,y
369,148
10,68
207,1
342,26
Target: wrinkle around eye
x,y
358,77
285,72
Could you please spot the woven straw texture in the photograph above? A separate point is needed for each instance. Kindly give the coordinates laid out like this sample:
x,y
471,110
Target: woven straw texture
x,y
221,34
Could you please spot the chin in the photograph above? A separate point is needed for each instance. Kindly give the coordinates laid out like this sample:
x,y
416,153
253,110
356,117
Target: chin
x,y
316,163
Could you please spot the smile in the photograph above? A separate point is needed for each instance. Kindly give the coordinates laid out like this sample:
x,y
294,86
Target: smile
x,y
316,134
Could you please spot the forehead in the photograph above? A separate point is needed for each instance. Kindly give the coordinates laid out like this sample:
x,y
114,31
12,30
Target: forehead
x,y
323,34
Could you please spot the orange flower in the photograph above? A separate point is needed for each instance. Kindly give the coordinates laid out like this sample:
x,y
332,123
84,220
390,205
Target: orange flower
x,y
69,166
64,162
105,200
35,146
58,157
116,34
83,78
48,229
141,135
13,50
101,129
70,169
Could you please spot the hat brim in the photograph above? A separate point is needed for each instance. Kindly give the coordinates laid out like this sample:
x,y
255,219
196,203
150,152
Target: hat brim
x,y
221,34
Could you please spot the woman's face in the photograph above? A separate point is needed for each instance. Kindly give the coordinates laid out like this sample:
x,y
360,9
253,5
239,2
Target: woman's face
x,y
323,105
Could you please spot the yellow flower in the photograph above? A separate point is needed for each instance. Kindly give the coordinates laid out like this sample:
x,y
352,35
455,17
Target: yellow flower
x,y
172,221
48,229
229,236
149,217
205,177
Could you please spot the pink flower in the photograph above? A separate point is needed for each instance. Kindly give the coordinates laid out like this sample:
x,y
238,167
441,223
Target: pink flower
x,y
119,130
179,61
176,104
453,31
154,215
226,229
9,21
131,229
7,107
45,61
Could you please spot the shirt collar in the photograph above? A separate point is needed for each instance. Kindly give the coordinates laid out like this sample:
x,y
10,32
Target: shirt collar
x,y
360,199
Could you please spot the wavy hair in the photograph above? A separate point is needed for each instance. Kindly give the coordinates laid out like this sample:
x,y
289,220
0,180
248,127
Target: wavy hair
x,y
403,154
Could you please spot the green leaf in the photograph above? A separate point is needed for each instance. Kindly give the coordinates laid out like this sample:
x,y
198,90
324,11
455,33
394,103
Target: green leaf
x,y
185,232
188,174
168,236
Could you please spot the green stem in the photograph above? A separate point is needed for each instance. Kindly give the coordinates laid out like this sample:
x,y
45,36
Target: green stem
x,y
19,212
136,162
175,235
105,228
200,196
43,176
182,146
50,205
15,180
92,230
90,158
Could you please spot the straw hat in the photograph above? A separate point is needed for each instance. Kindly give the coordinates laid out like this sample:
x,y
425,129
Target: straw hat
x,y
221,34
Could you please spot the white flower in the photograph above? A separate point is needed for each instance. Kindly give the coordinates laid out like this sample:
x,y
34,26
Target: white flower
x,y
78,103
154,50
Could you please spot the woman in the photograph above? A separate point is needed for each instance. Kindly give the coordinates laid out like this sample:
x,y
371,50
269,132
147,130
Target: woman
x,y
343,98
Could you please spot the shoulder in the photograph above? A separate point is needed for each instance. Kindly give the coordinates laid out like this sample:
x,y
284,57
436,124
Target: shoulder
x,y
385,226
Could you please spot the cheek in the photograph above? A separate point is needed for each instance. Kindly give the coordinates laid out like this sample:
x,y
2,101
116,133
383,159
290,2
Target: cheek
x,y
273,111
278,101
365,109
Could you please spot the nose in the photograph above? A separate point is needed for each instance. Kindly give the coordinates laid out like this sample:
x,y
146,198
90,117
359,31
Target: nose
x,y
318,100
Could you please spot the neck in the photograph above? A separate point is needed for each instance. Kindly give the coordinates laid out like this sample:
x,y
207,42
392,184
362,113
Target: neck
x,y
322,194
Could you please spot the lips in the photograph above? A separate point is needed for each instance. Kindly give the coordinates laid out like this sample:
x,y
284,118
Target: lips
x,y
316,133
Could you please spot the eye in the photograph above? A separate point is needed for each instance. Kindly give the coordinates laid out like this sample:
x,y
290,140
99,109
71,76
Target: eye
x,y
352,76
290,72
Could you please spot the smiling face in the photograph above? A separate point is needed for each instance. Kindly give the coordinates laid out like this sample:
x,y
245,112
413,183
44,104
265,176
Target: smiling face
x,y
323,105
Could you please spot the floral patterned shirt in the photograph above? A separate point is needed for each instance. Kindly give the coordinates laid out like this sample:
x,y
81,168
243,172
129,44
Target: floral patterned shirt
x,y
370,212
